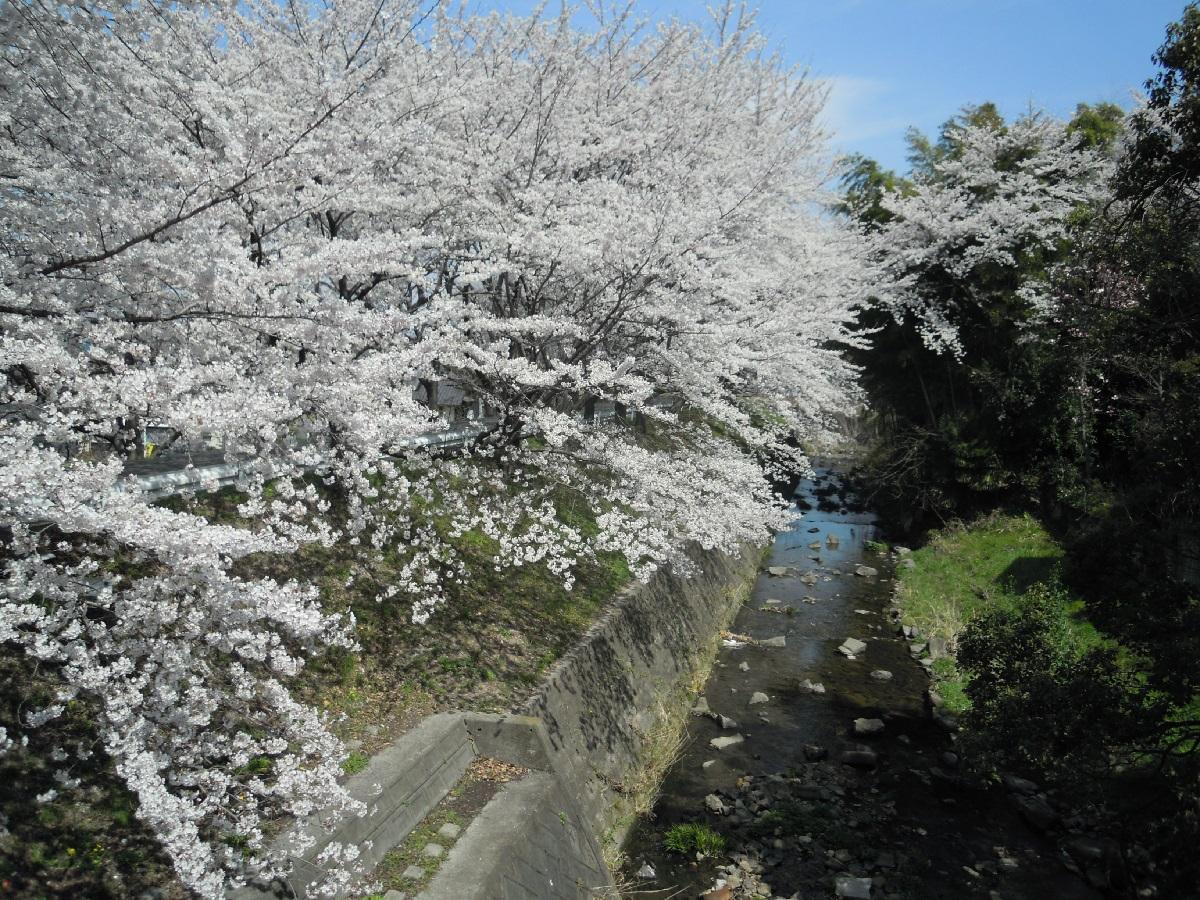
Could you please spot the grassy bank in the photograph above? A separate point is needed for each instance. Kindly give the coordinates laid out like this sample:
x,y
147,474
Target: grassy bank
x,y
969,570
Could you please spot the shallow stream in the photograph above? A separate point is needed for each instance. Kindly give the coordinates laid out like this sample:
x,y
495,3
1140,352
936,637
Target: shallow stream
x,y
794,822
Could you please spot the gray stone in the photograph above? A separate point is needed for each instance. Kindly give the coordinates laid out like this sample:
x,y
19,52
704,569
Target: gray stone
x,y
433,851
778,571
716,805
815,545
1085,849
450,831
758,697
413,873
852,888
726,722
902,551
813,687
1036,811
831,541
744,666
907,563
777,641
881,675
866,571
868,727
646,871
708,763
809,578
701,707
1019,785
720,743
852,647
946,720
938,648
860,759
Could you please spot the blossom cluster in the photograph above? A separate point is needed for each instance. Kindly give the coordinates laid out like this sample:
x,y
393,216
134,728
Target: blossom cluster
x,y
269,227
1001,202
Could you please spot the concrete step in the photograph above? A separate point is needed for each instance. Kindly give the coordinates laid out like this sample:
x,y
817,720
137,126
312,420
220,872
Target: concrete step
x,y
524,845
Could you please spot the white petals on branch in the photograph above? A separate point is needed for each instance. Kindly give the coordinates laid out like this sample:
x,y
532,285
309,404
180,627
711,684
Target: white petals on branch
x,y
302,243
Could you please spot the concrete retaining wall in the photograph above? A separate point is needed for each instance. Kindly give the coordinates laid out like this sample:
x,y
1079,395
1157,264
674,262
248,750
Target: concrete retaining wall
x,y
602,700
585,733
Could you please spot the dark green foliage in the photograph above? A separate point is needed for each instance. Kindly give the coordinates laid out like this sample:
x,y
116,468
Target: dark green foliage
x,y
1097,126
999,424
1092,420
864,186
1047,700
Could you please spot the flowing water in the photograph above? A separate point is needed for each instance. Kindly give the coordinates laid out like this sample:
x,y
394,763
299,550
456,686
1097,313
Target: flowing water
x,y
794,823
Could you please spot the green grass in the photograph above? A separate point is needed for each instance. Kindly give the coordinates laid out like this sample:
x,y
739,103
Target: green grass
x,y
693,837
409,853
967,570
355,763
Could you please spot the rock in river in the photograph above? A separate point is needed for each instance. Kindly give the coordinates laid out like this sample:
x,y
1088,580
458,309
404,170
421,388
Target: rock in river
x,y
868,727
852,647
860,759
881,675
758,697
715,805
720,743
1036,811
866,571
778,571
853,888
777,641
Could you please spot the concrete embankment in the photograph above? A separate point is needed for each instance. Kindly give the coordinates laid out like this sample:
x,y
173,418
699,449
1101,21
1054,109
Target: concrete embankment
x,y
587,734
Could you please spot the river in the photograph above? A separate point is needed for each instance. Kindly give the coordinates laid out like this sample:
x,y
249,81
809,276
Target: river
x,y
795,816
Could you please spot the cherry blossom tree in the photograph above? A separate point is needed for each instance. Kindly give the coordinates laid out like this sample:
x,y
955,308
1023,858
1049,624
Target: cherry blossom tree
x,y
268,226
993,200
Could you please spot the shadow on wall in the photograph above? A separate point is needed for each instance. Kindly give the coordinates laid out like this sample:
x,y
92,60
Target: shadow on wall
x,y
602,699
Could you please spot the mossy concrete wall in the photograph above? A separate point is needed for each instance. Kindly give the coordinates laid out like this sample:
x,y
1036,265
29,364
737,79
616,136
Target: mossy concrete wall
x,y
605,703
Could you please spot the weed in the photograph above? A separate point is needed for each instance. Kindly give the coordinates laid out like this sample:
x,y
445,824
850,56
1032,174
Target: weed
x,y
355,762
693,837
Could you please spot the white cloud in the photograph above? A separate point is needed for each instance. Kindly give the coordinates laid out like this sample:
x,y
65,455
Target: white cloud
x,y
860,108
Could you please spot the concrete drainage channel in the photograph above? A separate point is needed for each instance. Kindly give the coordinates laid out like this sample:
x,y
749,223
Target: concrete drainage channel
x,y
584,736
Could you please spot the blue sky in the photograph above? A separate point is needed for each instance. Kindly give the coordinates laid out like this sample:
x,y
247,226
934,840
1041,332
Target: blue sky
x,y
895,63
